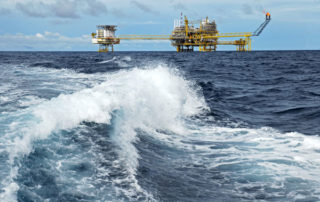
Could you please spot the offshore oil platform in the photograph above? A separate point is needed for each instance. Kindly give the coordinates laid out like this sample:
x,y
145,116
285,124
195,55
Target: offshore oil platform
x,y
185,36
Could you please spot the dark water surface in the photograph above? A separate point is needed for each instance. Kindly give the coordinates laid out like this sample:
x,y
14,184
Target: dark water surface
x,y
160,126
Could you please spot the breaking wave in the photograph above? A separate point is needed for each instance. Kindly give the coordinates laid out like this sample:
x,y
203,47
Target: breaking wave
x,y
85,141
146,99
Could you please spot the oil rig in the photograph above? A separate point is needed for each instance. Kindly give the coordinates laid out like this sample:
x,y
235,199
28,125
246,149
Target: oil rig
x,y
186,35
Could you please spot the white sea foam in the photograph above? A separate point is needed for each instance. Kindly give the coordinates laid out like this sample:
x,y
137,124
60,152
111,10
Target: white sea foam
x,y
107,61
155,97
120,61
151,98
127,58
266,150
30,101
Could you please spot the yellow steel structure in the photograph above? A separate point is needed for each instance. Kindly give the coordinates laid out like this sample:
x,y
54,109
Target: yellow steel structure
x,y
184,37
242,44
143,37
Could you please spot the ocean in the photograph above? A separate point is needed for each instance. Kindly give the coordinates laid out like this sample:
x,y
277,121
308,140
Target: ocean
x,y
160,126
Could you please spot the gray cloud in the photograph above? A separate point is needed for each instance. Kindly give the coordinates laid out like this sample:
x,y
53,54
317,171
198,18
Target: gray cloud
x,y
32,9
95,8
143,7
120,14
65,9
69,9
4,11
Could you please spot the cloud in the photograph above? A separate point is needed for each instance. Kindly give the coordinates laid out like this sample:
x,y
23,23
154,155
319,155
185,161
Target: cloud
x,y
33,9
143,7
120,14
4,11
54,41
59,8
43,41
95,8
65,8
68,9
38,35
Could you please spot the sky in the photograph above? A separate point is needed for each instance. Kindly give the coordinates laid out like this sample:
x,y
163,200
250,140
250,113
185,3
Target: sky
x,y
66,25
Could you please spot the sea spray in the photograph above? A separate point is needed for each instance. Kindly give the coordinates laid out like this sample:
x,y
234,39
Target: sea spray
x,y
151,97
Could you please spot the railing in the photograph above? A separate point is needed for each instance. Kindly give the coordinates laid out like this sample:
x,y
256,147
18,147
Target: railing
x,y
168,37
143,37
234,34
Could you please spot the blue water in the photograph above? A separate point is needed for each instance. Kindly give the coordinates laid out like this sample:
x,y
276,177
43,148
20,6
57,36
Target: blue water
x,y
160,126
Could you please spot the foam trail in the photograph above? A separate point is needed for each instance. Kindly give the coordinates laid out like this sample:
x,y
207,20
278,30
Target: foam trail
x,y
107,61
156,98
118,60
263,157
